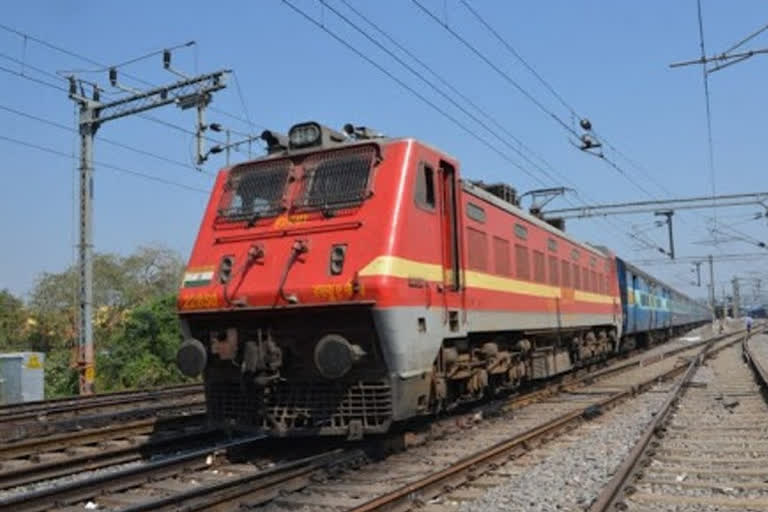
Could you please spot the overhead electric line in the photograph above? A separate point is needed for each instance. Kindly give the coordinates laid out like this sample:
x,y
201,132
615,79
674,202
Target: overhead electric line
x,y
498,70
413,91
432,86
707,102
480,110
528,95
416,93
88,60
106,165
112,142
549,87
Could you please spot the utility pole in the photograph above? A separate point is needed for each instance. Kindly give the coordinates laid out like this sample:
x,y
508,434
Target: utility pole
x,y
668,214
736,298
190,91
712,287
698,272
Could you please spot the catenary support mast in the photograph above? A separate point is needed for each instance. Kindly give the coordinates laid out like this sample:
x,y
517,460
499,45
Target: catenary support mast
x,y
186,93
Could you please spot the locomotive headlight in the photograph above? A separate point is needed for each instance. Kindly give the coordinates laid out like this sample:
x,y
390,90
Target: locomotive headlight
x,y
338,253
306,134
225,269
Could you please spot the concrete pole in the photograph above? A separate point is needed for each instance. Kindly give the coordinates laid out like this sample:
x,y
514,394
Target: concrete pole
x,y
85,358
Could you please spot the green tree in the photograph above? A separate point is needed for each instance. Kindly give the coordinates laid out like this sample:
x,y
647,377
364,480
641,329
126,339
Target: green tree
x,y
12,321
134,321
141,352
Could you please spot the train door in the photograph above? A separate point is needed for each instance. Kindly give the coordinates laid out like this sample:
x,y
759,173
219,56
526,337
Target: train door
x,y
450,227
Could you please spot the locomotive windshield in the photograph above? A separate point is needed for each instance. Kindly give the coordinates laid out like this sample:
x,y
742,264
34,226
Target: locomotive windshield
x,y
254,191
330,181
336,179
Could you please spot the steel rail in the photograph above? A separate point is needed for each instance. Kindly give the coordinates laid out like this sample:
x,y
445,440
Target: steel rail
x,y
12,431
14,476
53,469
617,488
80,490
256,488
32,410
470,467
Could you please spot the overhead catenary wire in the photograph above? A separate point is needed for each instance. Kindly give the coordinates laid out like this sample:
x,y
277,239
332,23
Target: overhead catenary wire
x,y
524,148
746,39
572,110
400,82
498,70
708,108
94,62
526,93
147,117
147,55
520,58
140,151
432,86
105,165
465,98
413,91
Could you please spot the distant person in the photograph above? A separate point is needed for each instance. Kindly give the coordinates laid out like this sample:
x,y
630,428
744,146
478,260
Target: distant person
x,y
748,322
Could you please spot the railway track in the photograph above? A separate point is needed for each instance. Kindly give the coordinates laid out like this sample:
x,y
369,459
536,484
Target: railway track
x,y
9,412
40,459
707,449
35,419
441,453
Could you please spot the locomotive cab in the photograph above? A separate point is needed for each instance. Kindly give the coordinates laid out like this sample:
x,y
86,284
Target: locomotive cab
x,y
288,302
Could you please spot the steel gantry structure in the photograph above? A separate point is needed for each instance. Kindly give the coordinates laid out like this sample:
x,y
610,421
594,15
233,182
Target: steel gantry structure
x,y
189,92
689,203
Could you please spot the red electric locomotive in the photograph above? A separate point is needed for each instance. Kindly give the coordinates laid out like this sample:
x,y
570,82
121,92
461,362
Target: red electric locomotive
x,y
344,282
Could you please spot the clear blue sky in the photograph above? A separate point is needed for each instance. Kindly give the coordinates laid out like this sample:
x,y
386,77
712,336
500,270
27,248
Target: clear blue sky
x,y
609,60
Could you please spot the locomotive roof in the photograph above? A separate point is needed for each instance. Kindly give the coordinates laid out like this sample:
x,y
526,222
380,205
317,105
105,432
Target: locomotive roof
x,y
509,207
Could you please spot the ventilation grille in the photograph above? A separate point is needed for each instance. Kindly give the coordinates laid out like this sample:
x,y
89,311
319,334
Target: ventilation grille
x,y
304,406
254,191
337,179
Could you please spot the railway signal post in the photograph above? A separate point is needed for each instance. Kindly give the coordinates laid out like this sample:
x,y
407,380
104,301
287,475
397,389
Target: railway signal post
x,y
194,91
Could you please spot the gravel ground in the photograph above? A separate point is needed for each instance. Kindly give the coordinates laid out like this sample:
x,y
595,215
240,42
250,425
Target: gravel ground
x,y
47,484
569,473
712,456
759,345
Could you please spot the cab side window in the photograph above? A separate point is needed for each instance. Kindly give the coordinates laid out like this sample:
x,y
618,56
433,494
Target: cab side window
x,y
425,187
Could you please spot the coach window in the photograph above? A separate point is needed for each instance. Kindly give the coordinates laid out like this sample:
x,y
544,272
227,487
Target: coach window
x,y
585,284
521,232
552,244
553,274
475,213
576,280
425,187
501,256
477,249
522,265
539,273
566,273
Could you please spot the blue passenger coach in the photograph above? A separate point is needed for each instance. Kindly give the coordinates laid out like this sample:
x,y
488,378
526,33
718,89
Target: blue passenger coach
x,y
651,310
